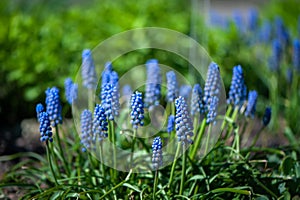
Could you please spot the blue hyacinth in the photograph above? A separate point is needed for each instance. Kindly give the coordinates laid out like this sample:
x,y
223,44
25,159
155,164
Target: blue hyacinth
x,y
185,91
86,120
39,108
267,116
45,128
296,55
71,90
238,21
100,123
276,57
289,75
88,72
197,105
126,93
253,19
137,110
238,91
171,123
281,32
153,83
265,32
157,159
172,86
212,110
53,106
111,101
183,122
251,106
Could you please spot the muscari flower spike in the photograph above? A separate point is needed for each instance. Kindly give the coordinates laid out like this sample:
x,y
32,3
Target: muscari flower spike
x,y
99,123
111,101
197,104
88,72
171,123
185,91
253,19
265,32
71,90
172,86
281,32
212,110
126,93
183,122
153,83
276,57
39,108
251,106
157,158
267,116
137,110
53,106
237,91
86,120
45,128
296,54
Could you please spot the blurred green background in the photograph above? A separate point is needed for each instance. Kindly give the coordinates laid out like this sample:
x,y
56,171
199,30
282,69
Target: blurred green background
x,y
41,42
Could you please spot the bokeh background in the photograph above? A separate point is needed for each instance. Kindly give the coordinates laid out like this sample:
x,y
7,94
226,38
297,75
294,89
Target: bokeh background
x,y
41,43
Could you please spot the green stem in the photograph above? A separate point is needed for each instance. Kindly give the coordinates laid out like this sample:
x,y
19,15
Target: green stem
x,y
155,184
237,138
208,138
101,160
198,139
227,114
257,136
50,163
78,158
91,104
183,170
61,151
113,140
233,117
173,165
133,144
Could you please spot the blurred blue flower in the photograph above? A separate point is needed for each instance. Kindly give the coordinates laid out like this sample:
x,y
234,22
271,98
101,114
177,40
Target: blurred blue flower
x,y
251,106
253,19
197,105
99,123
45,128
183,122
172,86
157,158
53,106
276,57
171,123
238,91
71,90
88,72
185,91
267,116
137,110
86,120
238,21
281,32
289,75
126,93
39,108
153,83
296,55
265,32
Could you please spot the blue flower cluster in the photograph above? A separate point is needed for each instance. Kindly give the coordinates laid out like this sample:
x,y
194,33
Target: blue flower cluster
x,y
267,116
197,104
53,106
281,32
86,120
296,54
276,57
157,158
238,91
251,106
185,91
137,110
99,123
45,128
88,72
71,90
171,123
183,122
212,91
39,108
172,86
126,94
153,83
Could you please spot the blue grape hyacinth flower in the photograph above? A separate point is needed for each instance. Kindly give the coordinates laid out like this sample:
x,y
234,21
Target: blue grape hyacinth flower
x,y
238,91
172,86
153,83
171,123
71,90
111,101
265,32
267,116
100,123
281,32
251,106
212,85
185,91
86,120
197,105
137,110
183,122
296,55
212,110
45,128
157,158
39,108
253,19
53,106
276,57
88,71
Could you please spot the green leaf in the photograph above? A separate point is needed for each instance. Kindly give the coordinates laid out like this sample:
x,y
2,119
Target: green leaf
x,y
135,188
287,165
